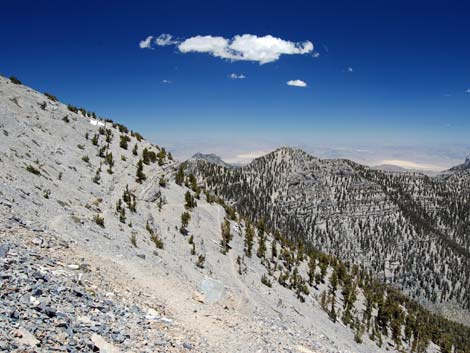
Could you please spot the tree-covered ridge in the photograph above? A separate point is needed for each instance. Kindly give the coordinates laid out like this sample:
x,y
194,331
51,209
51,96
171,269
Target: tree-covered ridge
x,y
409,229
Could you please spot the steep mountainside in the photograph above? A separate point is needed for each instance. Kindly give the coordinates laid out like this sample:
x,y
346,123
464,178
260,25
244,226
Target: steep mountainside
x,y
106,245
409,229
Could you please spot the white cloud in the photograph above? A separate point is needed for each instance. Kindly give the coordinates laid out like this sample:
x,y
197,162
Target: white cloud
x,y
350,69
165,39
297,83
167,81
235,76
316,54
246,47
146,43
468,90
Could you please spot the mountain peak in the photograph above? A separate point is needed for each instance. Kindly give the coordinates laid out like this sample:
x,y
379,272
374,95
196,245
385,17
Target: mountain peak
x,y
210,157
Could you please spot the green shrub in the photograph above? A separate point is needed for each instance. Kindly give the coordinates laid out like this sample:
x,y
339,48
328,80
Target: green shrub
x,y
86,159
94,140
140,176
200,261
265,280
51,97
124,139
14,80
185,218
133,239
99,220
33,170
72,108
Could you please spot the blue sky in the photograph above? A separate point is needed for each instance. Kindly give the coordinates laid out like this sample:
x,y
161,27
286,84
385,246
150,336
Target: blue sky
x,y
408,85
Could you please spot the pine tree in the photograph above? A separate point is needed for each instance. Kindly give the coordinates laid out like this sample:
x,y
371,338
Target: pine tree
x,y
185,218
261,252
94,140
122,215
312,264
226,237
333,288
180,176
140,176
273,249
145,156
190,201
249,237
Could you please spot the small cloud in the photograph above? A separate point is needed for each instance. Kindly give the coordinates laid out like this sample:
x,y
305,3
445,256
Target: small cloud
x,y
146,43
167,81
350,69
447,95
235,76
165,39
316,54
297,83
468,91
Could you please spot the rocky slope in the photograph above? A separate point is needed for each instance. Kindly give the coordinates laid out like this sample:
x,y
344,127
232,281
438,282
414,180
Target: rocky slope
x,y
410,230
104,245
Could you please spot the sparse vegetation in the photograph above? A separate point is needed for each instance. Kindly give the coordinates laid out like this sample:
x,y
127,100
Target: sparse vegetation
x,y
200,261
14,80
95,139
190,201
99,220
180,176
97,177
266,281
226,237
185,218
123,141
30,168
153,236
140,175
51,97
72,108
133,239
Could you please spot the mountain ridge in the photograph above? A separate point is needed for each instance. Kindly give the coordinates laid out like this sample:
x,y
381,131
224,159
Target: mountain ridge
x,y
296,184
